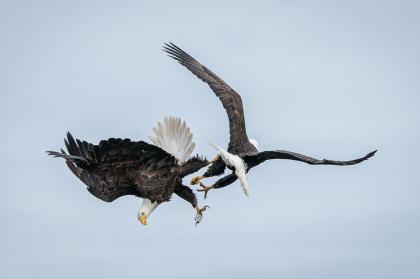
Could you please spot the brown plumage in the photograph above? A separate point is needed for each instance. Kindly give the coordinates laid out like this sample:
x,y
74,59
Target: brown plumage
x,y
118,167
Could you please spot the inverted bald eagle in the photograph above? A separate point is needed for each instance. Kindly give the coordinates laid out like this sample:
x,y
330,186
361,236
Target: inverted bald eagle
x,y
119,167
242,153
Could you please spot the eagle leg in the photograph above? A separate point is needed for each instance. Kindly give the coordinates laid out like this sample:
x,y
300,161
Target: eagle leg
x,y
196,179
205,189
199,215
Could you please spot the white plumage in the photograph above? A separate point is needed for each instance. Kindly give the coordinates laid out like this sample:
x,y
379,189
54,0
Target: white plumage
x,y
174,137
147,207
236,162
255,143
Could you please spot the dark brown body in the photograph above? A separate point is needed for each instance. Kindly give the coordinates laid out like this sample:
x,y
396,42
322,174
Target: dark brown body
x,y
118,167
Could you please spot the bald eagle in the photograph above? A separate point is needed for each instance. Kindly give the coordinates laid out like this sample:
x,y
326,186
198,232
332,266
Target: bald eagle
x,y
242,153
118,167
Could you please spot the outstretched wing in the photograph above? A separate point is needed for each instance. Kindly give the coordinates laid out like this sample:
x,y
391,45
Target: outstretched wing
x,y
231,100
107,188
114,154
106,168
253,160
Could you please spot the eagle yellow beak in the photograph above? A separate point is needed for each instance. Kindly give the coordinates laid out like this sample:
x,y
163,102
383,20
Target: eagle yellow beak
x,y
143,219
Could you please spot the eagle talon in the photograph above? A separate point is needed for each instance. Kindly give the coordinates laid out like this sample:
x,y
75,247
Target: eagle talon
x,y
199,216
205,189
196,179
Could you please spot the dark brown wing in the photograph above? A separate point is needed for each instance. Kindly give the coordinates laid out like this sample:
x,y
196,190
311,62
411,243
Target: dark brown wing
x,y
107,168
254,160
115,153
107,188
231,100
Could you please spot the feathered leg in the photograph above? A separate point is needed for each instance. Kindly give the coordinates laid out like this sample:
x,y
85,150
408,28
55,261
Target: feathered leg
x,y
187,194
217,168
237,164
222,182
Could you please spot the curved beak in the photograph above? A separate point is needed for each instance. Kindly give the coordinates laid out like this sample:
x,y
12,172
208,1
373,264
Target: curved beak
x,y
143,219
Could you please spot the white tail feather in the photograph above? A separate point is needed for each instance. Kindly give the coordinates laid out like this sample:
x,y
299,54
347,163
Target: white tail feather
x,y
174,137
241,174
238,163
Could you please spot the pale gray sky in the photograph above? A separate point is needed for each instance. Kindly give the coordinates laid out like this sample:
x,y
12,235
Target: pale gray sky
x,y
323,78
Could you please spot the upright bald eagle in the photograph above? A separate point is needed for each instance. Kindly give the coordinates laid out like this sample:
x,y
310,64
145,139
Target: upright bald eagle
x,y
118,167
242,153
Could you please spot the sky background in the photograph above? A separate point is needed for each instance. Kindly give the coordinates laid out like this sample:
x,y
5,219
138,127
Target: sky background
x,y
326,79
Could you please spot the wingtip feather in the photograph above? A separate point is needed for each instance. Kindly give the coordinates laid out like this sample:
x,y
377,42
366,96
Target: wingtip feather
x,y
371,154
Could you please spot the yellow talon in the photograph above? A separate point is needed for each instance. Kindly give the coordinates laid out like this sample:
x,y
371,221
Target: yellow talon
x,y
199,215
196,180
205,189
200,210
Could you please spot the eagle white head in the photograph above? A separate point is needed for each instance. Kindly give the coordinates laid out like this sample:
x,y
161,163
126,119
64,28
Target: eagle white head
x,y
255,143
146,209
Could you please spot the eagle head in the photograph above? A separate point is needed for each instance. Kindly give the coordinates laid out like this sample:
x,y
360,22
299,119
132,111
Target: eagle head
x,y
146,209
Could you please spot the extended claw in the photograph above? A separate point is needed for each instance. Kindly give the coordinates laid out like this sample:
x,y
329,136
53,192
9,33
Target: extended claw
x,y
200,210
205,189
196,180
199,215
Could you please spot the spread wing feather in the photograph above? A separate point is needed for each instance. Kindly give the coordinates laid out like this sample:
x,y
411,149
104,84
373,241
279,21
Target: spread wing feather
x,y
105,168
288,155
101,186
230,99
114,151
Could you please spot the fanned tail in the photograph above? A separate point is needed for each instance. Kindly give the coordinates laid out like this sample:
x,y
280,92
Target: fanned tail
x,y
244,181
174,137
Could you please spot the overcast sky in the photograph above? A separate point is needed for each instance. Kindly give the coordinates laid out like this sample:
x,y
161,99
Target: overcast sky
x,y
321,78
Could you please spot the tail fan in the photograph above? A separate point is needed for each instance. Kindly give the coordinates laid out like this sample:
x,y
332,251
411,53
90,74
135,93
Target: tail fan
x,y
241,174
174,137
